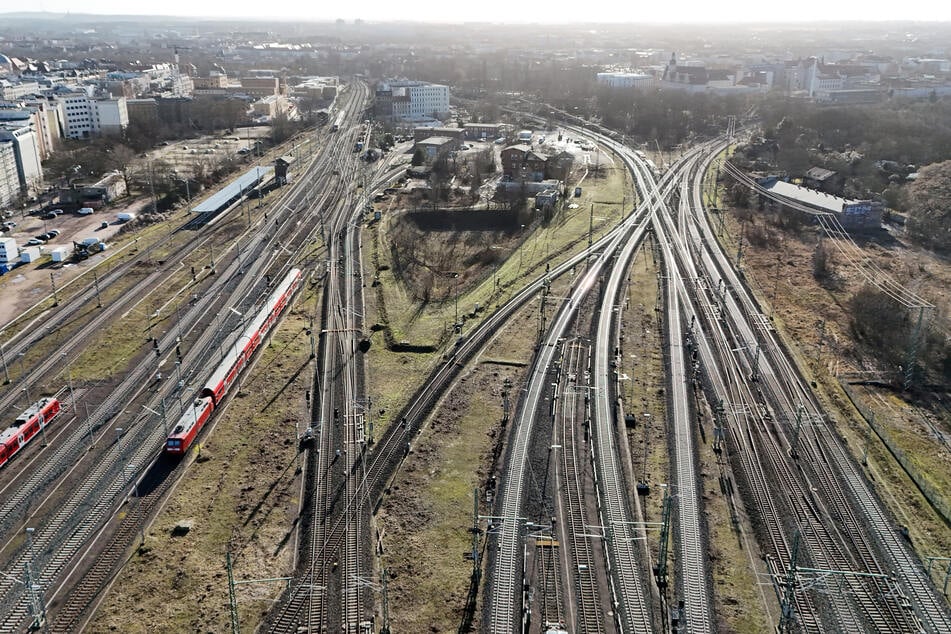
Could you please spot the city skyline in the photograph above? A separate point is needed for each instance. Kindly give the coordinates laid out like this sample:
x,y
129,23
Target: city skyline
x,y
494,11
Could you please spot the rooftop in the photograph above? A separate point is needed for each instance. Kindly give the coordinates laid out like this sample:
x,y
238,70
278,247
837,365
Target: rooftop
x,y
435,140
819,173
234,189
806,196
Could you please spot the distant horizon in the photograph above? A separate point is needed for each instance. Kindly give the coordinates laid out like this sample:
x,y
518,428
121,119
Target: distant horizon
x,y
700,14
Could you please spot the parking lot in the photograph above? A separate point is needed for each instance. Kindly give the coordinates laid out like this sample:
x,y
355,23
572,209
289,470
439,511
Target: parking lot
x,y
28,283
207,152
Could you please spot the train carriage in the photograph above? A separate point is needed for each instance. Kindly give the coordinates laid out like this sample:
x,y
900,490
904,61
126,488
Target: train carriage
x,y
26,426
234,361
188,426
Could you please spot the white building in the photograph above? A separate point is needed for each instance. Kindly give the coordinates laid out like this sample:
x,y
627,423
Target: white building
x,y
112,115
46,114
13,90
9,177
8,251
76,116
412,100
26,154
84,116
626,80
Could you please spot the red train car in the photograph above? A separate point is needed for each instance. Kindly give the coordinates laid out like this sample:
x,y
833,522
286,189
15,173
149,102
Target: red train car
x,y
26,427
227,372
188,426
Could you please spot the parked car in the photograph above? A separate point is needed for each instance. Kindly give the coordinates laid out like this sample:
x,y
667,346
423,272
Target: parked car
x,y
44,237
52,233
85,211
48,216
34,242
9,224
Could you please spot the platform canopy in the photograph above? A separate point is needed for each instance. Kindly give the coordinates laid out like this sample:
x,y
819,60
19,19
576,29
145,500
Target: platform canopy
x,y
234,190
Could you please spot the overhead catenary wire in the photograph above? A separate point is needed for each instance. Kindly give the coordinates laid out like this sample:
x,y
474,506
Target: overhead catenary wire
x,y
843,242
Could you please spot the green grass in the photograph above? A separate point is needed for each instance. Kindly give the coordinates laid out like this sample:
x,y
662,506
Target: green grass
x,y
426,516
444,496
243,498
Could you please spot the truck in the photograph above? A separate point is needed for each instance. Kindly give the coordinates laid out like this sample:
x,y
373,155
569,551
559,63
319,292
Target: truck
x,y
125,217
89,246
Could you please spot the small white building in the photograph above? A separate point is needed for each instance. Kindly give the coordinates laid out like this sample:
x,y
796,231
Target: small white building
x,y
8,250
30,254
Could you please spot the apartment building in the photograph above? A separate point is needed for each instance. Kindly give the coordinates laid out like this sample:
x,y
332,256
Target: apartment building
x,y
404,100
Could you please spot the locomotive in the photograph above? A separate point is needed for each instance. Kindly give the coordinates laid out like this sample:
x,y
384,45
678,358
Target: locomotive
x,y
199,411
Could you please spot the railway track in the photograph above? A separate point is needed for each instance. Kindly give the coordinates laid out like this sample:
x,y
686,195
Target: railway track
x,y
586,602
339,442
389,450
876,603
147,440
501,606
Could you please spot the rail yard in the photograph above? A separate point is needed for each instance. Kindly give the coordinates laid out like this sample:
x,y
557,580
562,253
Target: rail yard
x,y
118,387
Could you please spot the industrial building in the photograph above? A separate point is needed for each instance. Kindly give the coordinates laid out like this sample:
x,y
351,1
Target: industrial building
x,y
853,215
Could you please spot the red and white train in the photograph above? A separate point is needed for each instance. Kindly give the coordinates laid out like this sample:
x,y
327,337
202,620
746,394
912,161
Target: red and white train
x,y
237,357
27,425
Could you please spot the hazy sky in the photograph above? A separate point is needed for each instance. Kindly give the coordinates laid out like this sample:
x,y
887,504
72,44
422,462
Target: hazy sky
x,y
506,11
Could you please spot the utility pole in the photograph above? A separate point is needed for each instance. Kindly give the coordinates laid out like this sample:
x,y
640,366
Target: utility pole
x,y
385,629
53,284
541,309
476,568
590,226
95,278
232,599
755,376
6,372
912,360
718,430
661,572
788,605
794,447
